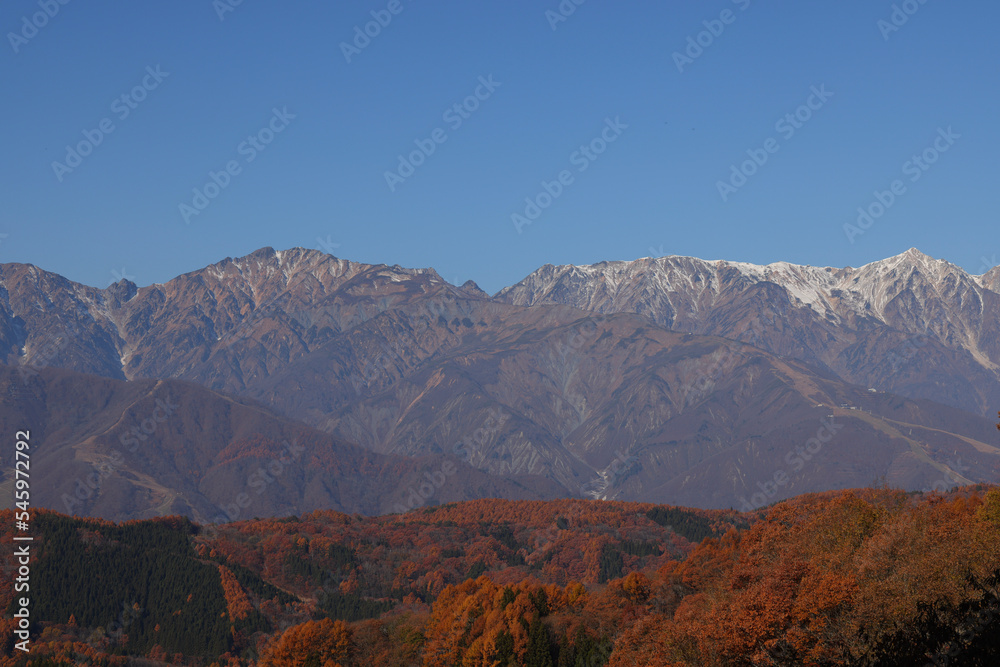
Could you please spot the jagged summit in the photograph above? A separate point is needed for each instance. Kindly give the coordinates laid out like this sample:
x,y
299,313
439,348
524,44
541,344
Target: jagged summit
x,y
295,263
915,258
915,254
911,256
860,290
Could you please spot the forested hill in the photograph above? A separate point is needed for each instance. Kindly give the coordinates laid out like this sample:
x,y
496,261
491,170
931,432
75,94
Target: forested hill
x,y
848,578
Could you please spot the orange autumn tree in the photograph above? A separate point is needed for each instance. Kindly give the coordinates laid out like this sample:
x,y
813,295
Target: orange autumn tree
x,y
237,602
470,622
326,643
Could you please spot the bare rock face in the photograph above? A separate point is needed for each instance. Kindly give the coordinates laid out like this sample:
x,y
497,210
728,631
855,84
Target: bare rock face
x,y
675,380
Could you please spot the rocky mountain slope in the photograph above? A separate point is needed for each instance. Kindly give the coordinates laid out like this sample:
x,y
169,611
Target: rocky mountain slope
x,y
909,324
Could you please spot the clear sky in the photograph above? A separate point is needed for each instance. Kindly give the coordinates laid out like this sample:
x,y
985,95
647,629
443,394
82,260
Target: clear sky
x,y
217,72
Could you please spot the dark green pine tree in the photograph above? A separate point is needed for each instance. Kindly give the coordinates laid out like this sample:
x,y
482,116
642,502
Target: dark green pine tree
x,y
503,650
508,596
539,646
583,651
567,653
540,599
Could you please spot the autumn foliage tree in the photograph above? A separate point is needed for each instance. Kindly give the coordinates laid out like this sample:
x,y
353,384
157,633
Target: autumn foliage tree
x,y
237,602
322,643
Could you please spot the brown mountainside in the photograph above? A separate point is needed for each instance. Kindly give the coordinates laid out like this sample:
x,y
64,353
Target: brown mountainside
x,y
117,450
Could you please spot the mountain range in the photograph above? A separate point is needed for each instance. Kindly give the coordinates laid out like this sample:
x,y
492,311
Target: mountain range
x,y
910,324
669,380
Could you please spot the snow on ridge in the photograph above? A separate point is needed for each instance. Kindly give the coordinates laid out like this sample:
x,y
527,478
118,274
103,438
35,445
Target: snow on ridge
x,y
808,284
865,290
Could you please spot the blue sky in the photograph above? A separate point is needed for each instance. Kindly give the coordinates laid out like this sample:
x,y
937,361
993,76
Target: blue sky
x,y
653,190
